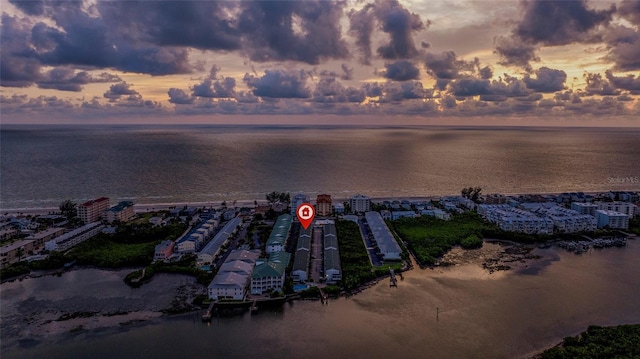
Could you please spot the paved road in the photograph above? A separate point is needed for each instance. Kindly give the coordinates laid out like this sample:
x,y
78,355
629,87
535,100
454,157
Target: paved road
x,y
369,243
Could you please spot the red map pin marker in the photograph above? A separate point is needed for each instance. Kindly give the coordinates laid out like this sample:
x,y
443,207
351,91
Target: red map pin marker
x,y
305,214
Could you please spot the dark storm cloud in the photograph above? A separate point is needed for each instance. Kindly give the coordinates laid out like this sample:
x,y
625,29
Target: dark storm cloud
x,y
18,68
630,82
347,72
624,45
402,70
180,97
393,19
630,9
407,90
446,65
550,23
279,84
307,31
547,80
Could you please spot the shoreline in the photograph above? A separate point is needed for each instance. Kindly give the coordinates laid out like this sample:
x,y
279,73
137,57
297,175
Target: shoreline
x,y
148,207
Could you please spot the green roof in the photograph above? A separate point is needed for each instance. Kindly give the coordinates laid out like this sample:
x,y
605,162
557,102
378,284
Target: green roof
x,y
275,267
280,231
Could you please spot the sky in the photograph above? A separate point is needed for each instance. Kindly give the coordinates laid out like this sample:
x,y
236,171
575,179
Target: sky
x,y
491,62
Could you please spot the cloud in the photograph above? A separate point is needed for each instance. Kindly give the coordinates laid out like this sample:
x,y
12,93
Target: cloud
x,y
279,84
630,82
550,23
596,85
393,19
330,90
547,80
18,68
306,31
630,9
407,90
214,87
66,79
496,90
116,91
624,46
180,97
402,70
446,65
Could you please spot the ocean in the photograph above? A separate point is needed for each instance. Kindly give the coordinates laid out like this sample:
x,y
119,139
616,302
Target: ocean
x,y
44,165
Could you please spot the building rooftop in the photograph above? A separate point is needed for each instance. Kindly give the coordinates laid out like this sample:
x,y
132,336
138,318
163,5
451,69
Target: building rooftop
x,y
280,230
218,240
274,267
244,255
229,279
120,206
94,201
381,233
15,245
236,266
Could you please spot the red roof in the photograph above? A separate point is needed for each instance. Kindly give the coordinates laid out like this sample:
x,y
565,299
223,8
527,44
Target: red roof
x,y
89,203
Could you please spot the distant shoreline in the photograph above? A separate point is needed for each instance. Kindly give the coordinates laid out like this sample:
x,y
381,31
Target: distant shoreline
x,y
148,207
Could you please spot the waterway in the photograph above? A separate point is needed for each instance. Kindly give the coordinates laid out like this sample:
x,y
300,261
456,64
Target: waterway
x,y
453,312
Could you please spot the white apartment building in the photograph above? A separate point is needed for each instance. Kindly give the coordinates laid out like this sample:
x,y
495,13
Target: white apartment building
x,y
612,219
73,238
621,207
360,203
569,221
585,208
515,220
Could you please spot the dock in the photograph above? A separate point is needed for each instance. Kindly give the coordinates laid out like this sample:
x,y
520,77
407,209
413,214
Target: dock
x,y
206,317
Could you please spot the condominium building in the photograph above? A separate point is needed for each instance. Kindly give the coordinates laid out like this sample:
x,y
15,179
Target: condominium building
x,y
323,205
612,219
585,208
210,251
73,238
360,203
43,236
515,220
92,211
163,250
300,271
332,268
16,251
279,235
567,220
121,212
269,275
233,277
621,207
387,244
296,201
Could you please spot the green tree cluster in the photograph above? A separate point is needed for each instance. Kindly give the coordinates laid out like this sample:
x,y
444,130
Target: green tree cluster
x,y
599,342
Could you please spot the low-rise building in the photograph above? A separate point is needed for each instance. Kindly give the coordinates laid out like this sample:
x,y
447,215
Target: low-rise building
x,y
436,212
567,220
612,219
121,212
43,236
185,245
229,286
163,251
402,214
387,244
300,271
269,276
515,220
211,250
73,238
296,201
279,235
621,207
332,268
16,251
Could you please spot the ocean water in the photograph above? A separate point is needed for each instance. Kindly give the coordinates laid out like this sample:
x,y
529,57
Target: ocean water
x,y
43,165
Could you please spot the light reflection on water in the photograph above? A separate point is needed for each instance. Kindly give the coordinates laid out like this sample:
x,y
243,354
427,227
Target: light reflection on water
x,y
479,315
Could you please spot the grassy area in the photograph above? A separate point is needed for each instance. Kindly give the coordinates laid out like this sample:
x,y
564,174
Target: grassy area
x,y
634,226
429,238
356,267
186,266
599,342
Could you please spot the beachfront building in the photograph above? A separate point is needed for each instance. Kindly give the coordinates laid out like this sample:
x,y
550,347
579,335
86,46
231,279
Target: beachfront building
x,y
612,219
402,214
16,251
121,212
185,245
210,251
300,271
296,201
567,220
279,235
92,211
269,275
73,238
360,203
332,268
515,220
387,244
323,205
585,208
436,212
43,236
621,207
163,251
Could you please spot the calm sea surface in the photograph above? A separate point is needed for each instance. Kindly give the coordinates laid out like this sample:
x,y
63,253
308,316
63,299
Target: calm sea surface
x,y
502,315
41,166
